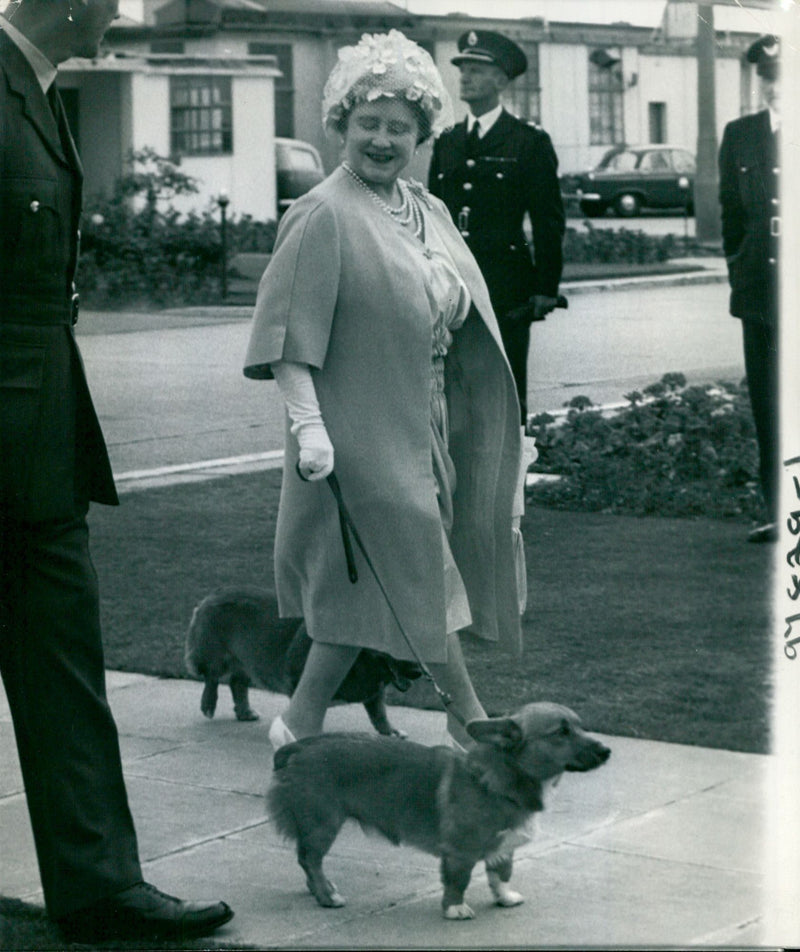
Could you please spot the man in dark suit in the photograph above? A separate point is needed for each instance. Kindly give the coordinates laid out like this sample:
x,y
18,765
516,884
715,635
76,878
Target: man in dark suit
x,y
751,225
53,461
490,170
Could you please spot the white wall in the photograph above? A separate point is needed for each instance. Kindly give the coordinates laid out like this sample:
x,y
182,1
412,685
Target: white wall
x,y
251,168
564,79
248,175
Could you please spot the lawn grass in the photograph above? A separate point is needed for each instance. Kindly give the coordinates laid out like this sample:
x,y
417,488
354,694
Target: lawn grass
x,y
649,627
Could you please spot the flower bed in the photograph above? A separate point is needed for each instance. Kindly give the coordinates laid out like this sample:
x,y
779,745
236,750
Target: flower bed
x,y
674,450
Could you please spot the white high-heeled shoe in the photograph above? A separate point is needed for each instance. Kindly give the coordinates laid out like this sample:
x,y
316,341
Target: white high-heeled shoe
x,y
279,734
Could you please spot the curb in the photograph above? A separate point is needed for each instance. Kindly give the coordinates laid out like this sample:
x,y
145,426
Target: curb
x,y
714,274
708,276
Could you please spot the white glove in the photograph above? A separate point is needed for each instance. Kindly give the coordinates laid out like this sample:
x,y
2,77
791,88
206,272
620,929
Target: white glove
x,y
297,389
316,451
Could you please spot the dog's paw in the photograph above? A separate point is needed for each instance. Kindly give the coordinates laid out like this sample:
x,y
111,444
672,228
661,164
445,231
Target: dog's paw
x,y
461,911
331,898
503,894
248,714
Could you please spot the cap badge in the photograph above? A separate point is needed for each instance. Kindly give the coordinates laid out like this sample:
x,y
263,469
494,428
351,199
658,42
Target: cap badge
x,y
472,38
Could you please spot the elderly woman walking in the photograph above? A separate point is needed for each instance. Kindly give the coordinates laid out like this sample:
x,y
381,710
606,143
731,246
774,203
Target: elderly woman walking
x,y
376,324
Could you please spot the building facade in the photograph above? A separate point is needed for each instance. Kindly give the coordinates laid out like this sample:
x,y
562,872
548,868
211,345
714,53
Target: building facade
x,y
210,83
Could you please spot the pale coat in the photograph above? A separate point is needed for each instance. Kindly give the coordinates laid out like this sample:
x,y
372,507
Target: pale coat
x,y
344,293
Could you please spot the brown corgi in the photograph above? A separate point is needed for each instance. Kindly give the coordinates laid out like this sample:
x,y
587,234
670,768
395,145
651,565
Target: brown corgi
x,y
461,807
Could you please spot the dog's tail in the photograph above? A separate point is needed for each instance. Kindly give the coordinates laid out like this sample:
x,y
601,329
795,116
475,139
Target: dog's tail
x,y
281,795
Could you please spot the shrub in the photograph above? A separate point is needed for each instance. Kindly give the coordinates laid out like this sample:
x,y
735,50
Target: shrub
x,y
674,450
138,250
618,245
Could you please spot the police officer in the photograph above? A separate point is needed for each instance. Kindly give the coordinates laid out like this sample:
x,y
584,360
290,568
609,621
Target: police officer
x,y
490,170
751,226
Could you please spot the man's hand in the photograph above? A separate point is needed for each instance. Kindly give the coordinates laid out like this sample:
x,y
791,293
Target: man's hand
x,y
539,306
542,306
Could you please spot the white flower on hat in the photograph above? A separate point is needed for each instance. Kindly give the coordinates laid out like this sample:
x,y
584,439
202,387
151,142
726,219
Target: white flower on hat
x,y
390,65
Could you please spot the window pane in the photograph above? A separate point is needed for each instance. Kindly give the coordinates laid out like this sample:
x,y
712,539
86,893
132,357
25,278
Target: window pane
x,y
200,104
605,97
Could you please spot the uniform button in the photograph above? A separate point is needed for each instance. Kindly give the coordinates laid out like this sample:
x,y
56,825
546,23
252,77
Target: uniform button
x,y
499,175
512,247
467,186
34,206
776,171
470,163
772,261
440,176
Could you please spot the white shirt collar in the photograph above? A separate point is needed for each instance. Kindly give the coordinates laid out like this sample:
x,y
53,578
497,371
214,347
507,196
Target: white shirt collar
x,y
774,120
487,120
40,64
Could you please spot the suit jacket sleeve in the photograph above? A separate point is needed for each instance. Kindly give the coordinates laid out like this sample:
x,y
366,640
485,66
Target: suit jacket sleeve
x,y
433,171
546,210
733,215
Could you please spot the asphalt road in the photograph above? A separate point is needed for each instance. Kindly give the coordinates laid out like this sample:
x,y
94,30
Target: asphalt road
x,y
169,388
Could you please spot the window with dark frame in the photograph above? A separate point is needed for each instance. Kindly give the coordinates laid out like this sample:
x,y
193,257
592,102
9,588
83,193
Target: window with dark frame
x,y
657,122
201,115
284,84
523,97
606,87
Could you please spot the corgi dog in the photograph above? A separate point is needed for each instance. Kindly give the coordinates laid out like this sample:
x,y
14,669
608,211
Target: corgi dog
x,y
237,633
462,807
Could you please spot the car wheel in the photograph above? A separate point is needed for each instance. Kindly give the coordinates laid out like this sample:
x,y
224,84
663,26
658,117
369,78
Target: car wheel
x,y
627,205
593,209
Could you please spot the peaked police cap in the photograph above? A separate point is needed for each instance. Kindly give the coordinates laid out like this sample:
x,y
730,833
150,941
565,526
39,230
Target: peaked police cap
x,y
765,53
485,46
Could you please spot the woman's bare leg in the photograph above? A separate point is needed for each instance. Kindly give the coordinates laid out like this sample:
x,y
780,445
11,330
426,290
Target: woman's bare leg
x,y
325,669
453,677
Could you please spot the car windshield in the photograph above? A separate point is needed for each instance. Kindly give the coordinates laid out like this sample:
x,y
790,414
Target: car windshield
x,y
300,160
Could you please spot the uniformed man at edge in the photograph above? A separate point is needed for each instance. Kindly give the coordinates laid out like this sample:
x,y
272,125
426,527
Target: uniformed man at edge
x,y
53,463
751,225
490,170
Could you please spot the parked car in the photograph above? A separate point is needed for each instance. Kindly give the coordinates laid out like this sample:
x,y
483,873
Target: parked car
x,y
299,168
630,178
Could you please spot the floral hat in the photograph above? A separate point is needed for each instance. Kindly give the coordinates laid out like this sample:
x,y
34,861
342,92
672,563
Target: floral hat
x,y
386,65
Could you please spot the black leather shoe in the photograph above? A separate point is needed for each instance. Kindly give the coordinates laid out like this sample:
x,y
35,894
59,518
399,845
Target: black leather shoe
x,y
141,912
765,533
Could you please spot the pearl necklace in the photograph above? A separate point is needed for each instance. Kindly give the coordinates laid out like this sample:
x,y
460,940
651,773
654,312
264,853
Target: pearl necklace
x,y
407,213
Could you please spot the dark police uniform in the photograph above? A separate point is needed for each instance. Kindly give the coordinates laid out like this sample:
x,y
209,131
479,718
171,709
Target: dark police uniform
x,y
53,461
751,224
488,186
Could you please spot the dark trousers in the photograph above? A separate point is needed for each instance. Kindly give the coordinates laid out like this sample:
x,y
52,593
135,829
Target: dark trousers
x,y
516,339
761,367
51,659
510,278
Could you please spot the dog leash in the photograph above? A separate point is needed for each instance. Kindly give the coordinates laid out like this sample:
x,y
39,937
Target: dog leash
x,y
348,528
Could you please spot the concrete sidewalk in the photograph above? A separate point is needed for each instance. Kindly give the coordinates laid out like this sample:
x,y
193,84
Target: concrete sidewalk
x,y
665,845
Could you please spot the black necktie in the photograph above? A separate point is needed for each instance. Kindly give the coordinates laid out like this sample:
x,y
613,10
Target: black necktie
x,y
473,139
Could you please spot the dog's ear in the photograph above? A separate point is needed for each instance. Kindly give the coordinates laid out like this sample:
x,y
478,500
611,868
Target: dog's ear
x,y
501,732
